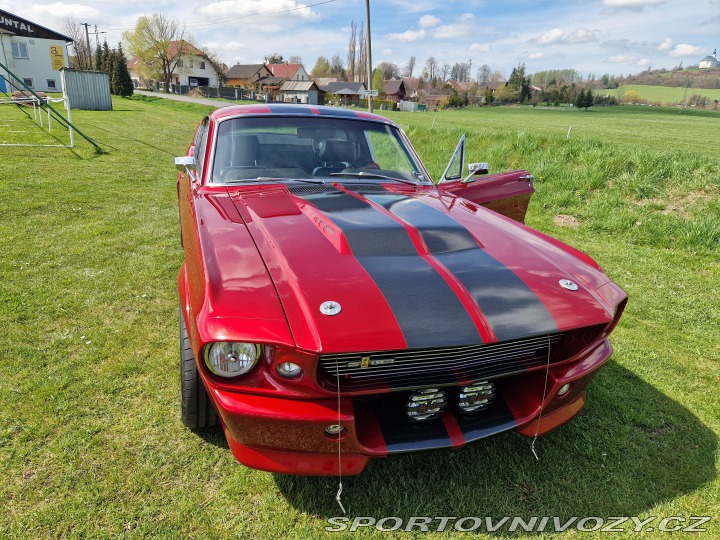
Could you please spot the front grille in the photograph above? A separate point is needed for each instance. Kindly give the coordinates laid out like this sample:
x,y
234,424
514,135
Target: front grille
x,y
416,368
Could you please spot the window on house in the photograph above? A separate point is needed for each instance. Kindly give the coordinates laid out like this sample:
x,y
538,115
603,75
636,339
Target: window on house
x,y
28,82
191,63
179,63
202,65
19,50
51,83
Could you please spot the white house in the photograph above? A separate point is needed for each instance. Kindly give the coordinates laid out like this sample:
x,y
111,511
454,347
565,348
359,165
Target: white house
x,y
710,62
193,68
33,53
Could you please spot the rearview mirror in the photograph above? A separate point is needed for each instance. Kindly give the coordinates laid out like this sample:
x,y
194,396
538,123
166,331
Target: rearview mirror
x,y
476,169
185,163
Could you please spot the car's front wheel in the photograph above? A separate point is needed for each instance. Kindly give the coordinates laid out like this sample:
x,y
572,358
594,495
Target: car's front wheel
x,y
197,411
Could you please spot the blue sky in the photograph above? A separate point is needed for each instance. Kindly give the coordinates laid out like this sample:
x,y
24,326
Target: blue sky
x,y
591,36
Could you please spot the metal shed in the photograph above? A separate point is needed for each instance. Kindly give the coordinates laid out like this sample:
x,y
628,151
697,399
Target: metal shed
x,y
87,90
302,92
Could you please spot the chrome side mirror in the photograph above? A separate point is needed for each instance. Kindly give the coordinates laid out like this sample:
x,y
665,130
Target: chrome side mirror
x,y
476,169
185,163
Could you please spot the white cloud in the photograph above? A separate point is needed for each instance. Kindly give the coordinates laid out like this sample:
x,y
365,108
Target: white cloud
x,y
643,63
428,21
240,8
480,47
228,45
581,35
684,49
536,56
620,58
60,9
407,36
387,52
632,4
461,29
559,36
552,36
666,45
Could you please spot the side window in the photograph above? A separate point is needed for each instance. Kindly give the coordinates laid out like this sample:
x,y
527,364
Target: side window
x,y
201,146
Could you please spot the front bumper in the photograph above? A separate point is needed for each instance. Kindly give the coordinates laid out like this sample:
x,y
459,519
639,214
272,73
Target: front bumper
x,y
288,436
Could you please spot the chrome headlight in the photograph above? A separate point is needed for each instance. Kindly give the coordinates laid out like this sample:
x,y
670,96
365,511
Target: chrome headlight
x,y
230,359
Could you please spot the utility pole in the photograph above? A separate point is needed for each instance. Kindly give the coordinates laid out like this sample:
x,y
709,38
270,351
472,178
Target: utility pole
x,y
87,40
369,54
97,42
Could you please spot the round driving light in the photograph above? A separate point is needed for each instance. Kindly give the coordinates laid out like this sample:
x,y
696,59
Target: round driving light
x,y
476,397
426,405
230,359
564,389
289,370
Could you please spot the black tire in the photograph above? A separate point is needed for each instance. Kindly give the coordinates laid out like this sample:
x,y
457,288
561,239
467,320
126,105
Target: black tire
x,y
197,411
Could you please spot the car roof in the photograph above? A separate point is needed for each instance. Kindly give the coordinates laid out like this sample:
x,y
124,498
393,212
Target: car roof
x,y
265,109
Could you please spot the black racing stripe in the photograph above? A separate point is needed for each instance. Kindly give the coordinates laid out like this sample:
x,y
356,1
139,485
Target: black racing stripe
x,y
279,108
427,310
403,436
511,308
495,419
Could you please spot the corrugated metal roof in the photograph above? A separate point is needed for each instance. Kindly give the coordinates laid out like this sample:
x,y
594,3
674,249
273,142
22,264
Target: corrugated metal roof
x,y
299,86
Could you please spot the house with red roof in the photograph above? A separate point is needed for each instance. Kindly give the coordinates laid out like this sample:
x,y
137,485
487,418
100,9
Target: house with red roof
x,y
291,72
193,68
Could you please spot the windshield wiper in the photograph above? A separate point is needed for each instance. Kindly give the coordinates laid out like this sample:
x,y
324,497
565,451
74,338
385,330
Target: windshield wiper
x,y
274,179
363,174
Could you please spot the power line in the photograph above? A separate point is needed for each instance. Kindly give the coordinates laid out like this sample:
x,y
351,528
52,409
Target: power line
x,y
245,16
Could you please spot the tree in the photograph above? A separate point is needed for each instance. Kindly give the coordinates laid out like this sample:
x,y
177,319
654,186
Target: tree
x,y
295,60
589,99
98,58
377,82
580,100
389,70
158,42
409,67
352,55
336,67
431,68
322,68
362,63
273,58
489,96
79,45
102,59
120,82
520,82
483,75
218,66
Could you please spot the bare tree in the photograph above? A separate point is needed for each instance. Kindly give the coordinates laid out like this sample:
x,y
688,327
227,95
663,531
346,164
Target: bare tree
x,y
217,64
362,70
295,60
431,68
445,71
409,67
352,53
336,66
158,42
483,74
388,70
79,46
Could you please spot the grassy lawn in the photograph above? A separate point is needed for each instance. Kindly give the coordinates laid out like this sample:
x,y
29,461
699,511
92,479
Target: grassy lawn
x,y
664,94
91,445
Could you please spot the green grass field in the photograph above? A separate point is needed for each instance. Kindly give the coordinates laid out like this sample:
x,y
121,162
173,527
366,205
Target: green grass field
x,y
91,444
663,94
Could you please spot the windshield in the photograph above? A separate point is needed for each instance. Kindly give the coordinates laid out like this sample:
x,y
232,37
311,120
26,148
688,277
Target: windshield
x,y
281,147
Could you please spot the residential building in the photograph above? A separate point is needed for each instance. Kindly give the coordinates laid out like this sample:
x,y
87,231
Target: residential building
x,y
193,68
246,75
35,54
291,72
302,92
710,62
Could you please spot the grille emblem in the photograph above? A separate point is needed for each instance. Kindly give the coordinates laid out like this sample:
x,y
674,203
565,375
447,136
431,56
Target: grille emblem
x,y
330,308
364,361
569,285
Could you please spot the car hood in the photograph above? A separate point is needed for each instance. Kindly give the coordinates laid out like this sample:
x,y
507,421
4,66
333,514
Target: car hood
x,y
369,267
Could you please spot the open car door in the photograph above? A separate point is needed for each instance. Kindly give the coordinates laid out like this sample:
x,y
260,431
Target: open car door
x,y
507,193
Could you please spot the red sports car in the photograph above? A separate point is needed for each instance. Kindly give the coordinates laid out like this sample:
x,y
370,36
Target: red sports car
x,y
338,306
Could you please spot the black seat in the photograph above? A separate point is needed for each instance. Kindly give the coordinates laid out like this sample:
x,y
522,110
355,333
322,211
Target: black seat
x,y
336,157
245,151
